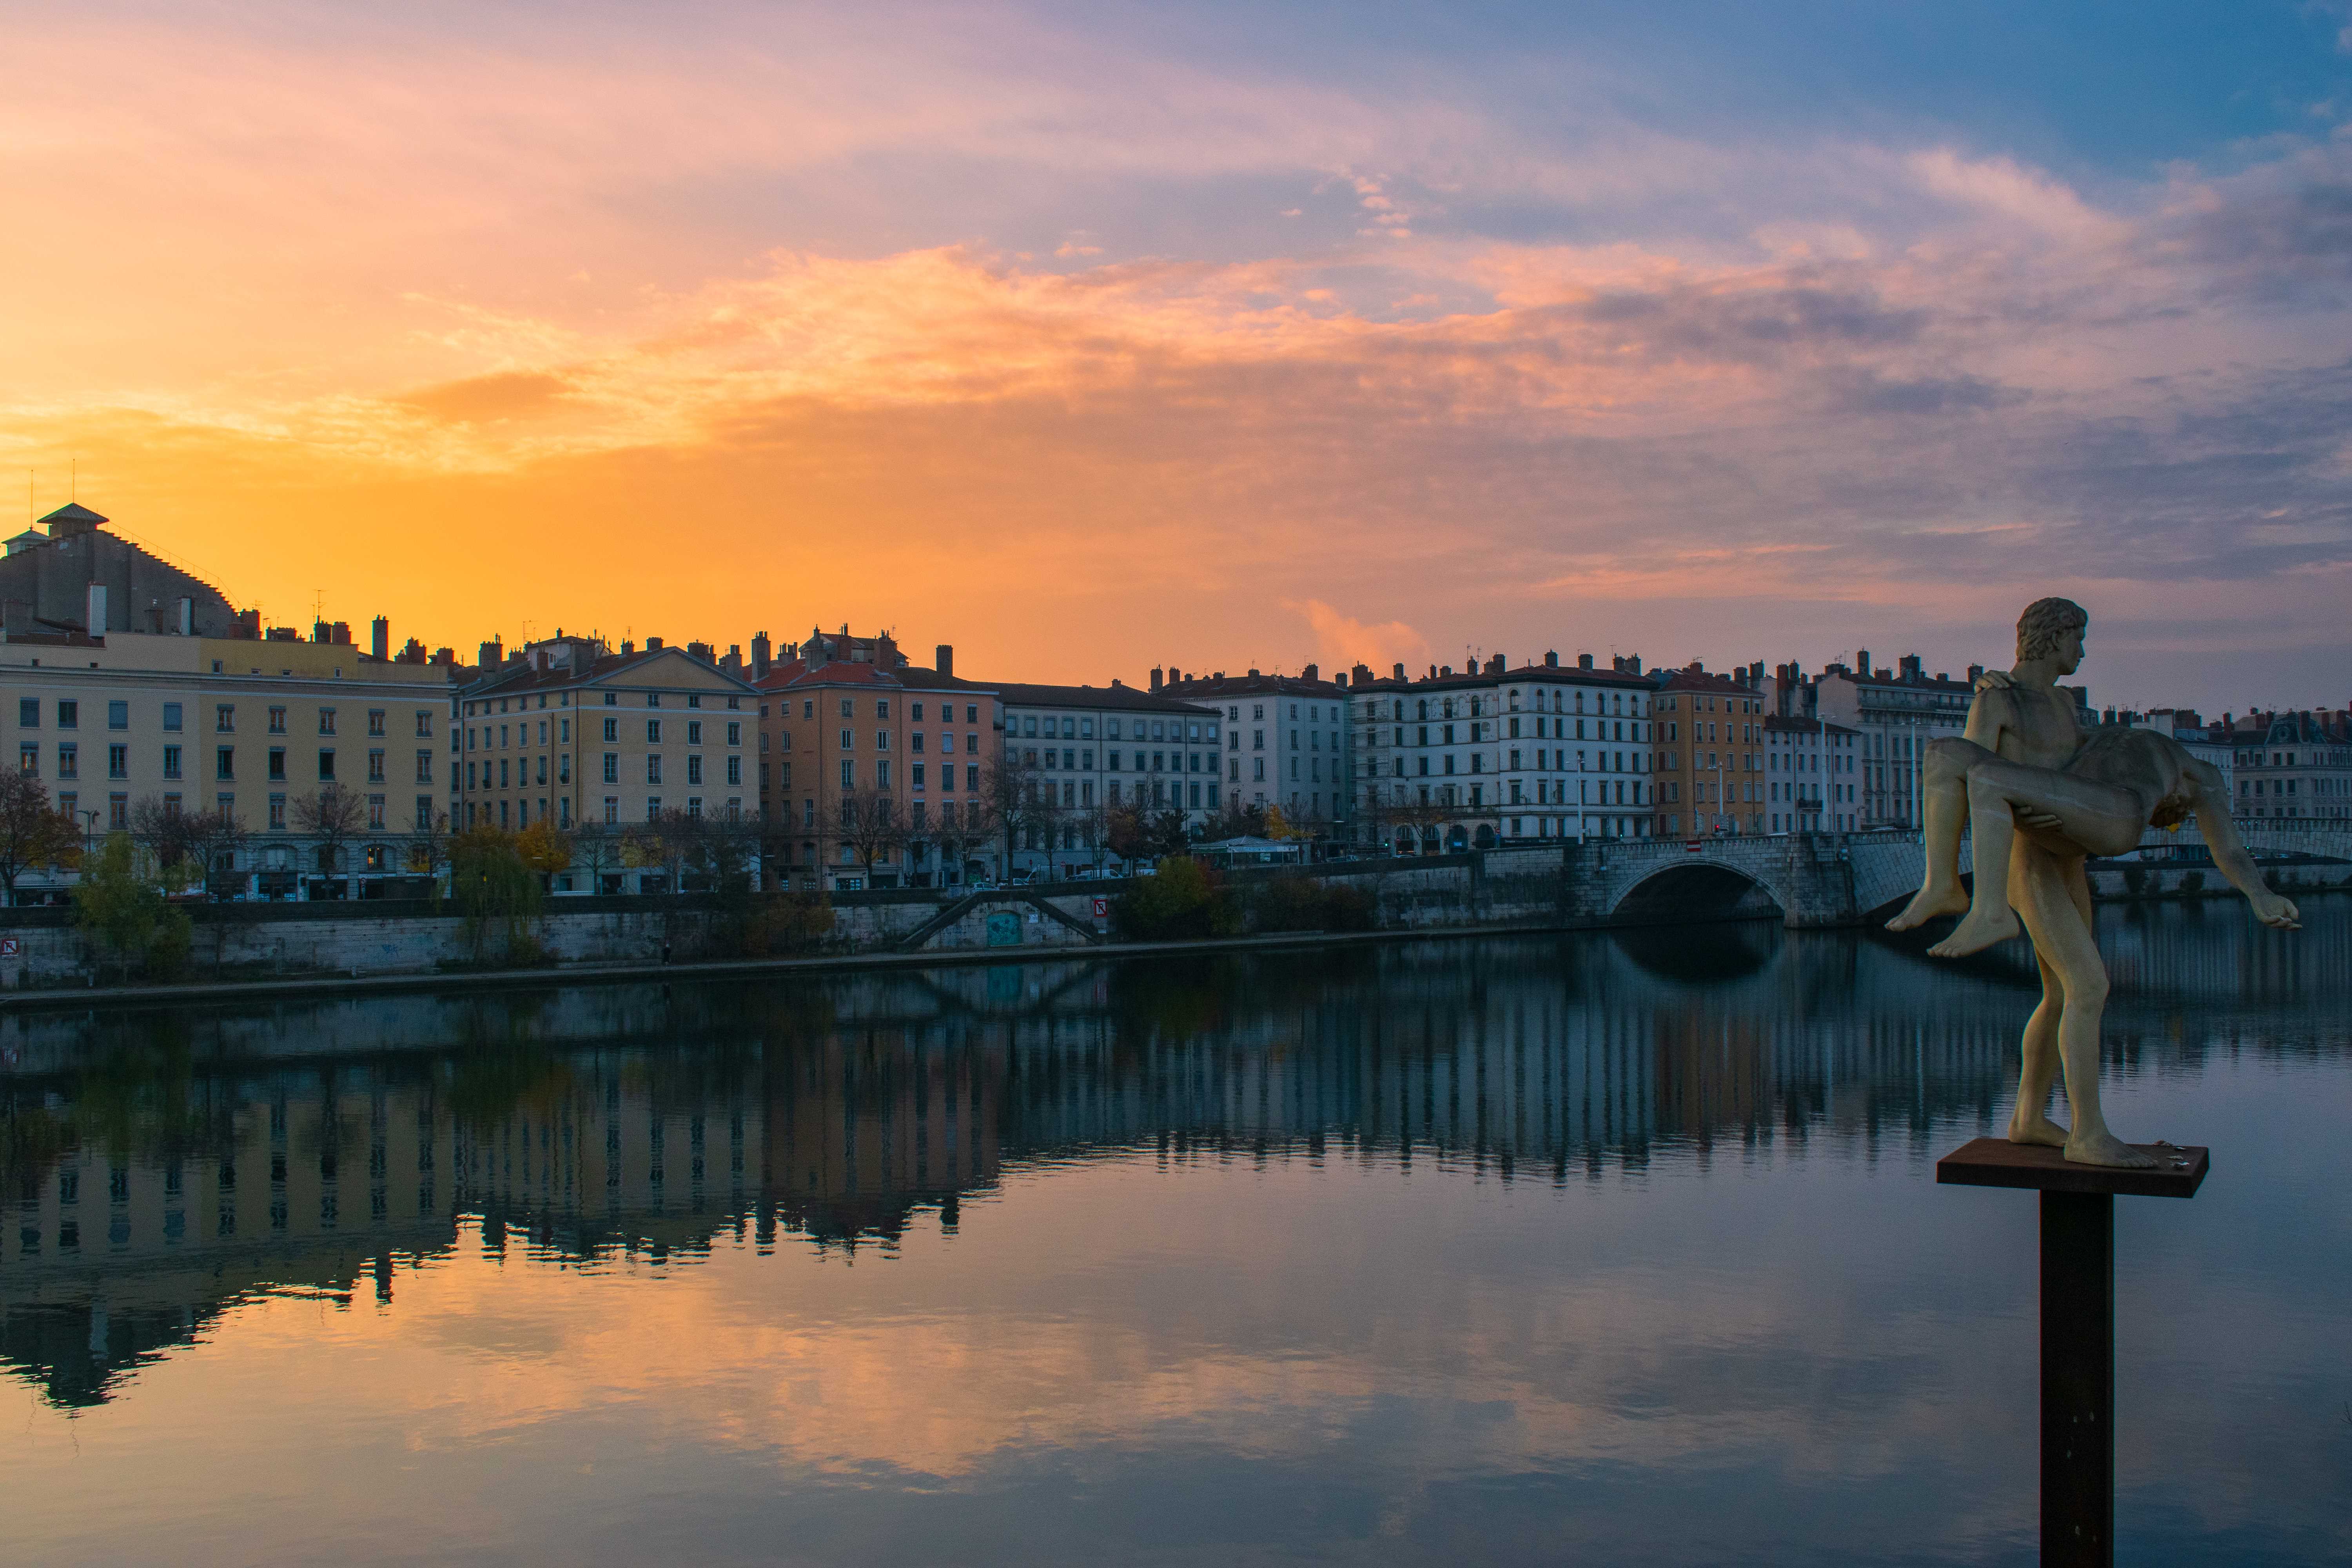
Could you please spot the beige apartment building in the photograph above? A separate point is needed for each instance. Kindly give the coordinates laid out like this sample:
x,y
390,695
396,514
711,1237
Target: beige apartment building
x,y
565,732
248,729
850,723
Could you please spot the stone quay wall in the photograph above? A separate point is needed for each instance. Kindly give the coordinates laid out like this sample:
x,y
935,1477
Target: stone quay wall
x,y
1816,882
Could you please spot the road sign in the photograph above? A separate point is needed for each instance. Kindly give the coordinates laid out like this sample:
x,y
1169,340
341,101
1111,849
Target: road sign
x,y
1102,909
1694,846
9,948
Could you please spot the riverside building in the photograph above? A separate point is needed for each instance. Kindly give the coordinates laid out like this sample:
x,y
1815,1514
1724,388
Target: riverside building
x,y
147,691
1499,754
564,731
1084,751
1288,742
852,731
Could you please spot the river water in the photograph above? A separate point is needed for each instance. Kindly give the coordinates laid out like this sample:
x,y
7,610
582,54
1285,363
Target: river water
x,y
1603,1247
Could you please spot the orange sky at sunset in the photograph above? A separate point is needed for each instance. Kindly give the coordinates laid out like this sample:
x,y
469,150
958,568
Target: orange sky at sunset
x,y
1087,350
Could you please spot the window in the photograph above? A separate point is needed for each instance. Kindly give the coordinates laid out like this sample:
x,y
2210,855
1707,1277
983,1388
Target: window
x,y
69,715
653,732
118,762
564,730
326,764
694,769
653,769
882,708
69,760
734,733
375,721
172,716
848,773
694,732
611,767
277,721
848,740
375,815
28,759
118,715
28,713
612,808
881,740
882,776
611,730
118,812
425,767
224,763
277,814
734,770
613,699
423,722
375,765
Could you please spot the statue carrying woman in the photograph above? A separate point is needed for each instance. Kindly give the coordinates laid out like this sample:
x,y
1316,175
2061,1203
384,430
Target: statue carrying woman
x,y
2038,796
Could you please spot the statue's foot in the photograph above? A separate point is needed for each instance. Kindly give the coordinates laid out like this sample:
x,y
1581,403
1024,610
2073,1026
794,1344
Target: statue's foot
x,y
2107,1149
1929,902
1976,933
2037,1129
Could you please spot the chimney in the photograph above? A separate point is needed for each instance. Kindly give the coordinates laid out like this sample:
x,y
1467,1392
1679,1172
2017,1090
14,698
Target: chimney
x,y
1584,661
733,663
1398,674
703,651
380,637
1339,678
628,647
1363,674
763,655
184,619
94,611
1155,678
1551,659
1312,672
491,654
652,645
1253,672
1862,661
1911,666
944,659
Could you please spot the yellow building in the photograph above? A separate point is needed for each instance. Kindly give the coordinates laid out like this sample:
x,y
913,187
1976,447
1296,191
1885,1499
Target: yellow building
x,y
1710,763
249,730
566,731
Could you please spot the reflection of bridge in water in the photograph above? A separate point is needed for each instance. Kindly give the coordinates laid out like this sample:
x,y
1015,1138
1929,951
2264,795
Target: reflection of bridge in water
x,y
159,1168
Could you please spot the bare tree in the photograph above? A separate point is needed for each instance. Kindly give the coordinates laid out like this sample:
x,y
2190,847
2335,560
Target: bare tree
x,y
428,848
961,830
871,829
725,851
595,851
34,834
332,819
667,841
1015,795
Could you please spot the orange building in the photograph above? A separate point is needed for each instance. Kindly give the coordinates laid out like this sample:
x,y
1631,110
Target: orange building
x,y
849,724
1710,754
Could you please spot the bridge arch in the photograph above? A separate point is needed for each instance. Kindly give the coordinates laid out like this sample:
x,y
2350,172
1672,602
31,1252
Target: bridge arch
x,y
1679,893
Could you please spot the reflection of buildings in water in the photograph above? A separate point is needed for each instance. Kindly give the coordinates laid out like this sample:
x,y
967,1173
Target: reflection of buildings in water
x,y
182,1163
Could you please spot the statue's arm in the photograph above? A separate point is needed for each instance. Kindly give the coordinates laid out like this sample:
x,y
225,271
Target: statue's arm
x,y
2228,851
1990,711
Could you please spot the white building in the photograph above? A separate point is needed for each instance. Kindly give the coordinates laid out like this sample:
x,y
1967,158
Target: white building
x,y
1541,752
1092,748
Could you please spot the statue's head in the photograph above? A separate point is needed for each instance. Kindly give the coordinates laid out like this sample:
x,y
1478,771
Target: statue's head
x,y
2053,630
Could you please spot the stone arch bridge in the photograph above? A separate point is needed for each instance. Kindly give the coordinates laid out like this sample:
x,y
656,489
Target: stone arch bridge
x,y
1810,880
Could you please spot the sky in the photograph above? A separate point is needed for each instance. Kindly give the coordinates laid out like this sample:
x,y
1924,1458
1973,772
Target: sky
x,y
1091,338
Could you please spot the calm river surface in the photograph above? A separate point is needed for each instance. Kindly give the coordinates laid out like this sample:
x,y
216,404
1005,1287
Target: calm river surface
x,y
1620,1248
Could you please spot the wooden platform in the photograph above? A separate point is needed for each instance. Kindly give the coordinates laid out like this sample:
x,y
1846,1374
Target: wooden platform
x,y
1998,1162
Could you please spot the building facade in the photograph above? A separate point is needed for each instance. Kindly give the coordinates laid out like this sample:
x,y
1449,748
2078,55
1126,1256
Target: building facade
x,y
1499,754
565,732
2292,765
874,771
1712,752
1288,744
252,733
1084,751
1810,768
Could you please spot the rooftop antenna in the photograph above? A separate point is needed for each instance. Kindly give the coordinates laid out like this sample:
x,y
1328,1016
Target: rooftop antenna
x,y
317,605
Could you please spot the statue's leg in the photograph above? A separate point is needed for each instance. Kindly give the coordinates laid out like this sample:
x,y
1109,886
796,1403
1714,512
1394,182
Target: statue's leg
x,y
2101,819
2030,1122
1944,783
2062,938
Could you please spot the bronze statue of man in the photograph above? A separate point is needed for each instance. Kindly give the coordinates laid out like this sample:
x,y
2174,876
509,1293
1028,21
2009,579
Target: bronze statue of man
x,y
2039,797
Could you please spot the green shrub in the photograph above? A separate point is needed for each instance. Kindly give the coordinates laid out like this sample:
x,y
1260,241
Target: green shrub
x,y
120,905
1184,900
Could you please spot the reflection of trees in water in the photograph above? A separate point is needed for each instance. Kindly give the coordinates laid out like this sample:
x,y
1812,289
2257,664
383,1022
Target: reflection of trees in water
x,y
197,1157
